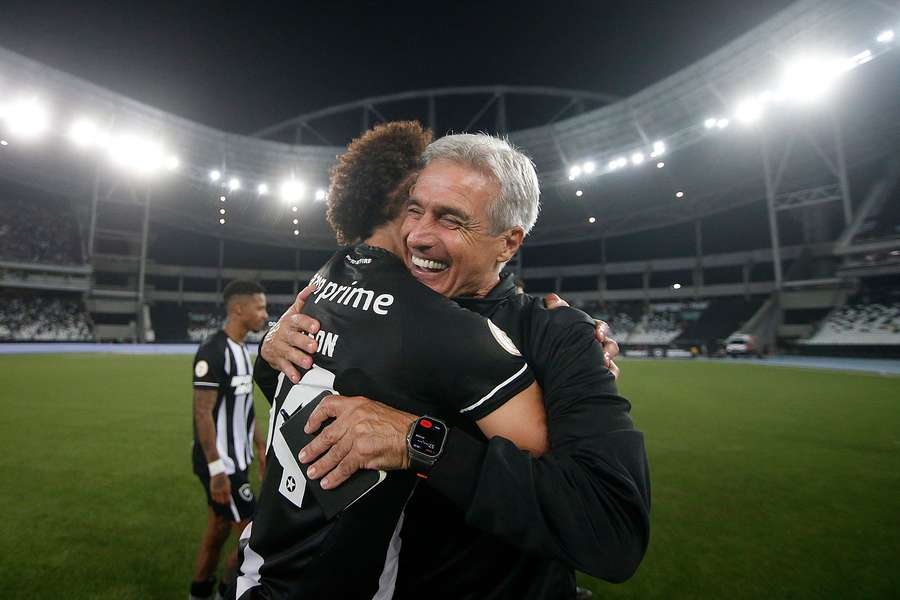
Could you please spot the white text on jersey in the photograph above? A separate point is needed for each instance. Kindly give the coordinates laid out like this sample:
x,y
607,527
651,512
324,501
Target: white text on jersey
x,y
361,298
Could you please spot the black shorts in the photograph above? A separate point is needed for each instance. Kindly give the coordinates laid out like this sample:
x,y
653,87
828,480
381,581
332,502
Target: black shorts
x,y
243,503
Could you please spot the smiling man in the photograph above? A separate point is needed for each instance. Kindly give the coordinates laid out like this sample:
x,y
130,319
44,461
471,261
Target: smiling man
x,y
491,520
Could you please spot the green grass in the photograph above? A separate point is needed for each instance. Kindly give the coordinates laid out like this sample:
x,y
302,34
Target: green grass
x,y
767,482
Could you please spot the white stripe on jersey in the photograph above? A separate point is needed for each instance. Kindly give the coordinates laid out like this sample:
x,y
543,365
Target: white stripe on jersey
x,y
495,390
222,437
248,576
238,418
388,580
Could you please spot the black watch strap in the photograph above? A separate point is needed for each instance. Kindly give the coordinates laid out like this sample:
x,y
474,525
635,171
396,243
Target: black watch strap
x,y
425,443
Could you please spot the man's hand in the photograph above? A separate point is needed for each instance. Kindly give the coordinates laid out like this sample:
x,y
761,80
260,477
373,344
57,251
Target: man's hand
x,y
610,346
364,435
220,489
287,345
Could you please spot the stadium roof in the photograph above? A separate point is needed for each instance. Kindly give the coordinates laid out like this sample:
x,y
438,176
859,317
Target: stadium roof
x,y
715,168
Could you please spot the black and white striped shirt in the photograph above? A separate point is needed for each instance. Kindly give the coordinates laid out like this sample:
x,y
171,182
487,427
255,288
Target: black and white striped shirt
x,y
224,365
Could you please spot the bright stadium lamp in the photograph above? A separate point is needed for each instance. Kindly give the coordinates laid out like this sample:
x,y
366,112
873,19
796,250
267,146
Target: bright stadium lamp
x,y
320,194
173,162
676,286
588,167
811,78
221,198
637,158
660,165
83,133
709,123
296,221
748,111
234,184
579,193
292,190
592,220
135,153
221,221
574,172
293,209
296,232
221,211
659,148
26,118
679,194
215,175
262,189
722,123
885,36
4,143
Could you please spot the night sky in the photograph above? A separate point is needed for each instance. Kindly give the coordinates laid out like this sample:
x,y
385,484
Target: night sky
x,y
240,66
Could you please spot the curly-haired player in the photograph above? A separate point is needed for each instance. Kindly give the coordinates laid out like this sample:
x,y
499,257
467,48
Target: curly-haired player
x,y
371,342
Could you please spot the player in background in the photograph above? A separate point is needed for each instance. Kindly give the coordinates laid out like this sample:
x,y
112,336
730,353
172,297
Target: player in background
x,y
224,424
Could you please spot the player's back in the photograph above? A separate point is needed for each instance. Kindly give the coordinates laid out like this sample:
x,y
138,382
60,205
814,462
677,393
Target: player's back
x,y
387,337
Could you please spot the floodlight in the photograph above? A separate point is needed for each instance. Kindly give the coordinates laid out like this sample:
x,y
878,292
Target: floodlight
x,y
659,148
709,123
660,165
592,220
858,59
221,198
26,118
614,164
579,193
172,163
722,123
215,175
296,232
293,209
574,172
679,194
83,133
221,221
885,36
4,143
637,158
136,153
748,111
234,184
296,221
320,194
221,211
810,78
588,167
292,190
676,286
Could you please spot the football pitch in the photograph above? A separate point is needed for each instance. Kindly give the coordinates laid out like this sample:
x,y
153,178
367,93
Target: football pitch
x,y
767,482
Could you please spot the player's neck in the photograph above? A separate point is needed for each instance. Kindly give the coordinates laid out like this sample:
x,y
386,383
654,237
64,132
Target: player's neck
x,y
235,331
388,237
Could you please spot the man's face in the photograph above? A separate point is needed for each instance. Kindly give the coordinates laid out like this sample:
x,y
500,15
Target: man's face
x,y
252,311
446,232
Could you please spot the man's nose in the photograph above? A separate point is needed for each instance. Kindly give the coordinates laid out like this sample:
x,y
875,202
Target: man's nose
x,y
422,234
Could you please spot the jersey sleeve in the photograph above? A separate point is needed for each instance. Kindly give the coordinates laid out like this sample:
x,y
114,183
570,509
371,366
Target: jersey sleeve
x,y
209,368
475,365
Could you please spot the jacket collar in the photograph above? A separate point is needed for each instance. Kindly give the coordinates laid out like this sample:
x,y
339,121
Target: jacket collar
x,y
505,288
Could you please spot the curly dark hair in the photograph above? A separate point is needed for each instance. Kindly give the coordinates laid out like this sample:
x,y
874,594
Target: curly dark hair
x,y
370,183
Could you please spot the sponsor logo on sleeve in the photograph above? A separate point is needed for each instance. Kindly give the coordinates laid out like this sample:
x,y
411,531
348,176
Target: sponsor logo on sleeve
x,y
503,339
201,368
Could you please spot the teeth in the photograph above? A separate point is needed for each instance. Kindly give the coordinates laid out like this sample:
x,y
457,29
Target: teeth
x,y
431,265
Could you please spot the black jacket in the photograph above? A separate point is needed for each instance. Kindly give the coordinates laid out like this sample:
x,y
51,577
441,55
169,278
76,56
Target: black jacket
x,y
492,522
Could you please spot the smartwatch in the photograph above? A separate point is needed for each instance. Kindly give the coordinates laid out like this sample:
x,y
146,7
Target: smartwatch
x,y
424,443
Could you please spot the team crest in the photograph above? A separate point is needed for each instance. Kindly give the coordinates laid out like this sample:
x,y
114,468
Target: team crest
x,y
503,339
201,368
245,492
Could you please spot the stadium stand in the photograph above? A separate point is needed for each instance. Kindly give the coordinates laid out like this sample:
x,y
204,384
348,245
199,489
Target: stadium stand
x,y
28,316
39,232
860,324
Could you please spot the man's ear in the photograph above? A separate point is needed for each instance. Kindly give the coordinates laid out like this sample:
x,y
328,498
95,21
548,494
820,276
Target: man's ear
x,y
511,241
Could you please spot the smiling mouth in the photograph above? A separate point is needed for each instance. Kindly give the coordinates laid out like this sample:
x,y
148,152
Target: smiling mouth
x,y
431,266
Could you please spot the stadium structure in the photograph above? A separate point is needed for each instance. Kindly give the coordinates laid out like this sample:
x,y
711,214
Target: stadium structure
x,y
755,191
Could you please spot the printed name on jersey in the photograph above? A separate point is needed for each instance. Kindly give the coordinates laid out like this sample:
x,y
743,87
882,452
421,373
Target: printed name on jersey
x,y
242,384
503,339
357,261
361,298
326,342
201,368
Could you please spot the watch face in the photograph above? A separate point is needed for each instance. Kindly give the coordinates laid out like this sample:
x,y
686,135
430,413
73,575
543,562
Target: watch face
x,y
427,437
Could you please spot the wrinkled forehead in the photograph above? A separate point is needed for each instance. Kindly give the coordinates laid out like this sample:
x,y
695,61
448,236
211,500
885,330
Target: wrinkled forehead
x,y
451,184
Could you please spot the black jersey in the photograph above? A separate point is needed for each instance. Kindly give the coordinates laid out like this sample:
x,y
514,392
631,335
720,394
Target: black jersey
x,y
223,365
385,336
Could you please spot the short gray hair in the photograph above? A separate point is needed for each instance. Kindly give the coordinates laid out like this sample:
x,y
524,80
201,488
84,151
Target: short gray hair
x,y
519,199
